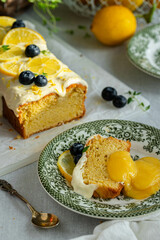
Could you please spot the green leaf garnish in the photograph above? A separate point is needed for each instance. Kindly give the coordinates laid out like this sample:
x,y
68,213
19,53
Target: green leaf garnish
x,y
45,74
85,149
129,100
35,74
44,8
44,22
71,32
82,27
58,19
147,108
45,52
132,98
5,47
87,35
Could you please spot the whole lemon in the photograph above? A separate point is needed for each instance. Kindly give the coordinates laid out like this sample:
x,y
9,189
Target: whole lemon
x,y
113,25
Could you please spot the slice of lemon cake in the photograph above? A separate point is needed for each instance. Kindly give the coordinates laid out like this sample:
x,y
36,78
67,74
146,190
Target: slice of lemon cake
x,y
90,176
38,91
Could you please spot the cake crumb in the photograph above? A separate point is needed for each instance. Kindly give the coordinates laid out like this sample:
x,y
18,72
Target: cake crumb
x,y
8,84
101,221
36,137
17,137
12,148
10,130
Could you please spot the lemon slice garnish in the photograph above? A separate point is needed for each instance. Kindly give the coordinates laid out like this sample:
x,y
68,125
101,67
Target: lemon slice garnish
x,y
43,64
10,52
2,34
6,21
23,36
11,68
66,165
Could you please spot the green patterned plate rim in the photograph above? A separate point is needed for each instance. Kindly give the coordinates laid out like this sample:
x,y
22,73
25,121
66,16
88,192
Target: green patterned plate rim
x,y
145,141
144,50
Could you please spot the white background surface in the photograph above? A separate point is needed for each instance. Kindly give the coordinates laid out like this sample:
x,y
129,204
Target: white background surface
x,y
15,217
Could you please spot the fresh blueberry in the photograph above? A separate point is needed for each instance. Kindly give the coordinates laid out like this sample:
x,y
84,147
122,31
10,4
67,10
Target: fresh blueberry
x,y
76,149
32,50
119,101
18,23
41,81
26,77
109,93
76,158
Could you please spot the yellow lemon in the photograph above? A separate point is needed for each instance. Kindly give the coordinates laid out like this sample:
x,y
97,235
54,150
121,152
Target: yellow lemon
x,y
43,64
131,4
23,36
66,165
11,68
2,34
6,21
10,52
113,25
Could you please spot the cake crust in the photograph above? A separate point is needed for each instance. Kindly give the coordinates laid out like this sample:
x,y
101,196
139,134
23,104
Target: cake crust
x,y
18,121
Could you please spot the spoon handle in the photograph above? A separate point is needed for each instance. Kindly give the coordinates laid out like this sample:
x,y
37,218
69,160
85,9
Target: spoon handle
x,y
5,186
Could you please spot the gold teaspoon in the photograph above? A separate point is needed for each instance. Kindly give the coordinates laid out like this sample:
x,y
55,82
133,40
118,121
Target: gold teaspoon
x,y
43,220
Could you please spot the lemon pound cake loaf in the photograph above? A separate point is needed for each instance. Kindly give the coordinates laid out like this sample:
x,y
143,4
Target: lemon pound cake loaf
x,y
90,176
38,91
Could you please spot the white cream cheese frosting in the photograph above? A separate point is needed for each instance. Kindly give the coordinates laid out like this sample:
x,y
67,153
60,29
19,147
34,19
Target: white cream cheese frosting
x,y
77,179
16,94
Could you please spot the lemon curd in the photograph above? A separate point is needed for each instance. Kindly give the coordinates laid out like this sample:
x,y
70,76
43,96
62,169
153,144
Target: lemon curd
x,y
141,178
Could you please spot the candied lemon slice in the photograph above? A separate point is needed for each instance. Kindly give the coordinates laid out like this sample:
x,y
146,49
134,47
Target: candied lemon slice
x,y
6,21
2,34
43,64
66,165
23,36
10,52
10,68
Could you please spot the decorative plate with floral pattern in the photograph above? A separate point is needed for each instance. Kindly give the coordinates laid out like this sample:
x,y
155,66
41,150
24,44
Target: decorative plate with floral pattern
x,y
145,141
144,50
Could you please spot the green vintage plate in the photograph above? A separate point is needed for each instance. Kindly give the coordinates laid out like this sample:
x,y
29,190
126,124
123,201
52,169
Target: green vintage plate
x,y
145,141
144,50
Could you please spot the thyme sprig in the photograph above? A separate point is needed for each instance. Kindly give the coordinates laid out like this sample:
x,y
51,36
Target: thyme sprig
x,y
44,8
45,52
5,47
133,97
85,149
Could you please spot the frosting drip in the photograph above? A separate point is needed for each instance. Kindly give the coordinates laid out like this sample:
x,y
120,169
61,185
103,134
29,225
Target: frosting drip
x,y
16,94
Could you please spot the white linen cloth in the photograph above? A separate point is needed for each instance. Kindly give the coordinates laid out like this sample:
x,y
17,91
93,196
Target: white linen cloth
x,y
125,230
